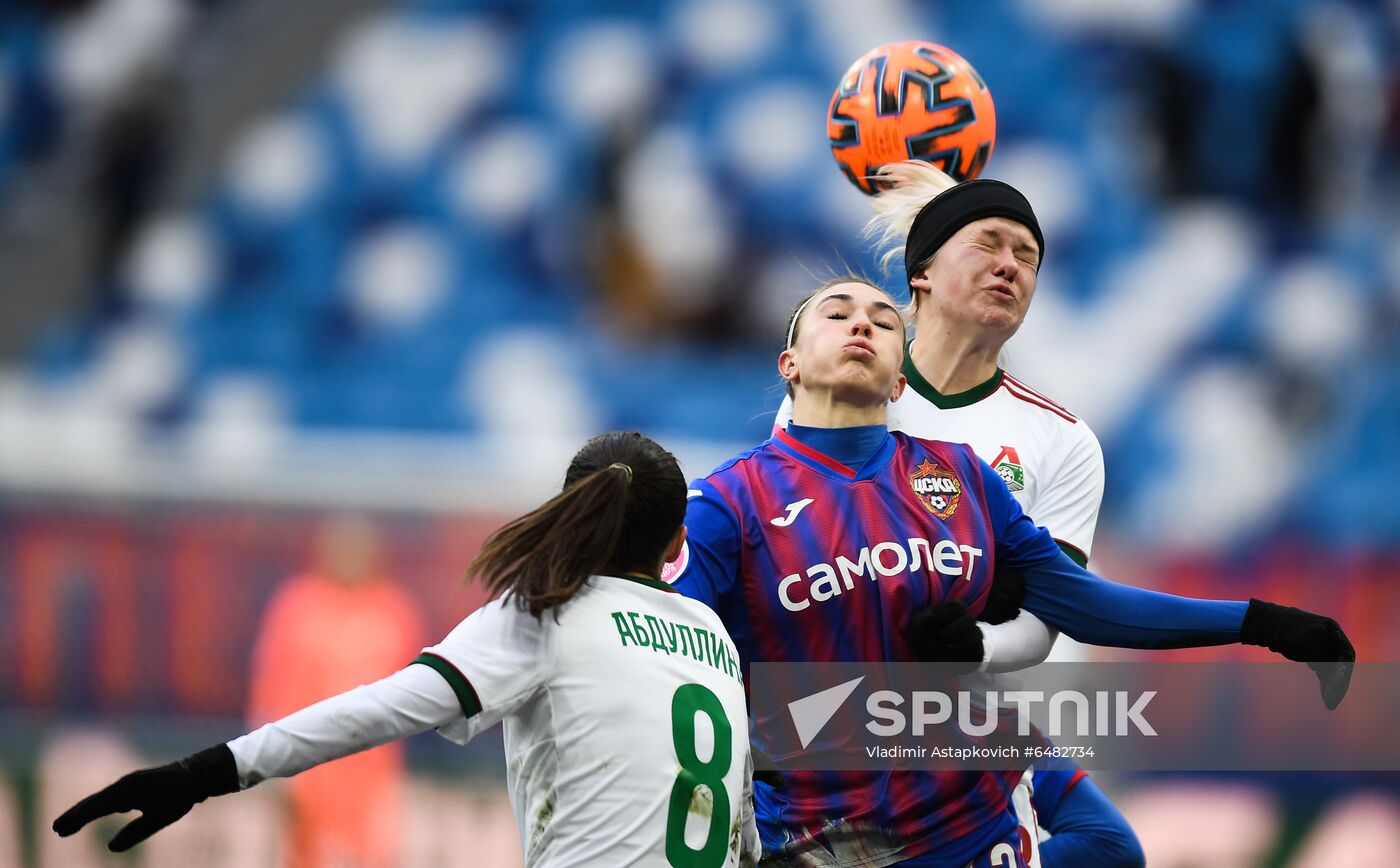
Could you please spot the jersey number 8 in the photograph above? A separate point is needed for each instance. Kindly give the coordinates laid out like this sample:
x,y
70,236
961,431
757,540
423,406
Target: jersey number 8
x,y
686,796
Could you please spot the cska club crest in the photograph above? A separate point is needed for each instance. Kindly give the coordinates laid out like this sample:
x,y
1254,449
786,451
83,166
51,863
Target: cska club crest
x,y
937,489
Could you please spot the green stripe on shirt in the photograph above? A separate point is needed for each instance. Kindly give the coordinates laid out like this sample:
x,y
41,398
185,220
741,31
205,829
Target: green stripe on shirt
x,y
466,694
1074,554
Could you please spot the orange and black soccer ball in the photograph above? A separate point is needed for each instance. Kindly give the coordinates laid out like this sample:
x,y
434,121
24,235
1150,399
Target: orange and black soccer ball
x,y
911,101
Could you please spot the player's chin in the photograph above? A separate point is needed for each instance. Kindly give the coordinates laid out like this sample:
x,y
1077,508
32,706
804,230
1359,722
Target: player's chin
x,y
868,388
1003,317
866,364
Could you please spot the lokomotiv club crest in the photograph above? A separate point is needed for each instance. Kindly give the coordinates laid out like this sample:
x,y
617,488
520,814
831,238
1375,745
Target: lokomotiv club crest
x,y
937,489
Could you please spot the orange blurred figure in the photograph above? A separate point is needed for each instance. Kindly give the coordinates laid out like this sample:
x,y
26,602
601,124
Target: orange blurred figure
x,y
341,624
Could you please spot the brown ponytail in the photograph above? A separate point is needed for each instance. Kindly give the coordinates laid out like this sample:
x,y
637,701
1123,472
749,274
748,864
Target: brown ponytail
x,y
622,503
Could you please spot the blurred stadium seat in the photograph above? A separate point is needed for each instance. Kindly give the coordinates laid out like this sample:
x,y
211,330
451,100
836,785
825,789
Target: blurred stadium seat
x,y
463,166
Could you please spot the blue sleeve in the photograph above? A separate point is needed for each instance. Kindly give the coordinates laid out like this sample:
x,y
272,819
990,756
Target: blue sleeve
x,y
1086,830
712,544
1089,609
1054,776
1020,542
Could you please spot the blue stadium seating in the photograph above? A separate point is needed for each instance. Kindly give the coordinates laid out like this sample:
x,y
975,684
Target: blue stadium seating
x,y
281,307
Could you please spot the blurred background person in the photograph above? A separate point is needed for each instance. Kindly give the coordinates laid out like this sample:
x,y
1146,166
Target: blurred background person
x,y
340,624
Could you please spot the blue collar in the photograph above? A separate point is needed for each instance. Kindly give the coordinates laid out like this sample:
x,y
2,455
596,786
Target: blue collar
x,y
852,451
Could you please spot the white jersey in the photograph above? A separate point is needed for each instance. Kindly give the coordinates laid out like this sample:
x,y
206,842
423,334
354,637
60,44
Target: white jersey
x,y
1049,459
626,730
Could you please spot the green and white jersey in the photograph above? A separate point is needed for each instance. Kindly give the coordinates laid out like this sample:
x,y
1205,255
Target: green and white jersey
x,y
1047,456
626,730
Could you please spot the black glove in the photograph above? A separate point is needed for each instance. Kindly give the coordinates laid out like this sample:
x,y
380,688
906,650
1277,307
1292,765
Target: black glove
x,y
1305,638
770,776
1004,598
946,634
163,795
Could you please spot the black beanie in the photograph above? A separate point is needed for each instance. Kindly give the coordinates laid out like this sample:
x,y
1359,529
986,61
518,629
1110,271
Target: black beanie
x,y
958,206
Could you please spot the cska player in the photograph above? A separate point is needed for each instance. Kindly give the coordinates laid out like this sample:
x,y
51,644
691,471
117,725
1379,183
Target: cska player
x,y
824,543
971,266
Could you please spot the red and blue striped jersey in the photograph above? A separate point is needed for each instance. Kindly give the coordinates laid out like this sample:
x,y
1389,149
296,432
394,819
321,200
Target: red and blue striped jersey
x,y
806,559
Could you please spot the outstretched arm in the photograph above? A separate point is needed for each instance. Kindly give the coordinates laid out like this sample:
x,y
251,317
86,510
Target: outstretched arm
x,y
410,701
1087,608
1093,610
499,652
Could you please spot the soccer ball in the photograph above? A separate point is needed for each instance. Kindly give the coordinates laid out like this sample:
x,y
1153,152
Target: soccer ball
x,y
911,101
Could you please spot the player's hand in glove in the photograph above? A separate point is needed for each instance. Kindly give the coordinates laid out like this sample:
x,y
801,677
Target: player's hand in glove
x,y
1305,638
1004,599
947,634
163,795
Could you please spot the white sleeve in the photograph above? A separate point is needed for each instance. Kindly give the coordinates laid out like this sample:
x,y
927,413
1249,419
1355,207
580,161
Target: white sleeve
x,y
1069,504
495,660
410,701
1069,509
1016,644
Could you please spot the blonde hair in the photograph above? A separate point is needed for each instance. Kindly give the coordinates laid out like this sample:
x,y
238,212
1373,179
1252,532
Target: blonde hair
x,y
915,183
